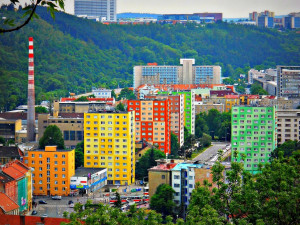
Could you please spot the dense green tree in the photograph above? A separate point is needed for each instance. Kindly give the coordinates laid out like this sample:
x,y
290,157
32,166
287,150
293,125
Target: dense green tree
x,y
174,145
288,148
126,93
118,203
52,136
256,89
79,159
205,140
101,214
120,107
228,81
82,99
162,201
147,161
201,125
113,94
41,109
2,140
269,197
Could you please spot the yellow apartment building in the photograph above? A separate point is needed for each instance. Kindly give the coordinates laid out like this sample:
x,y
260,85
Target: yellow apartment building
x,y
109,142
52,170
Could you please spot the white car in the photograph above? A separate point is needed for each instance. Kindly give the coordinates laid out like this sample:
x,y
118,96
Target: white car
x,y
57,197
71,205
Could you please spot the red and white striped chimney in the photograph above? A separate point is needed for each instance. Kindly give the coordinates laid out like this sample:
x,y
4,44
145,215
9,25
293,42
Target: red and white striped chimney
x,y
31,95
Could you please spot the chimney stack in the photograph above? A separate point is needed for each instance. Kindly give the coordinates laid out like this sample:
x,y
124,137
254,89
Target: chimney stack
x,y
31,95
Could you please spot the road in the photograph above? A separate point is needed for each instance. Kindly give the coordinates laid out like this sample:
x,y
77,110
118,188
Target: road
x,y
211,152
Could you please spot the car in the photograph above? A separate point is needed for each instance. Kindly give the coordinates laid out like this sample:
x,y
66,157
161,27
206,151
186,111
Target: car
x,y
71,205
57,197
42,202
70,202
44,215
34,212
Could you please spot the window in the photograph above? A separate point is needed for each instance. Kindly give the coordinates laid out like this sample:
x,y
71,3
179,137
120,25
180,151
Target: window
x,y
163,177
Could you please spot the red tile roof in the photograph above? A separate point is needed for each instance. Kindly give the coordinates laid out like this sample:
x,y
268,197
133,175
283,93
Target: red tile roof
x,y
6,203
166,166
221,93
231,96
15,169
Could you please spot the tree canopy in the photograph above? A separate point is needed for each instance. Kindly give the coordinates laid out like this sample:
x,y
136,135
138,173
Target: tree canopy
x,y
147,161
162,201
52,136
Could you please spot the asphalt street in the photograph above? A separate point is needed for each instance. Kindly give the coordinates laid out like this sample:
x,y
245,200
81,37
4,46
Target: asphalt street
x,y
211,152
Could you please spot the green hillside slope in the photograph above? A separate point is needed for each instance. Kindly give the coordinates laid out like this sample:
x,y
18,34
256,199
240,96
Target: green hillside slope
x,y
74,54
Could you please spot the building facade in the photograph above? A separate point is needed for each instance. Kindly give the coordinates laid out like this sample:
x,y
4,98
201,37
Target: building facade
x,y
292,21
52,170
9,128
71,128
101,93
189,108
109,142
185,74
288,125
254,135
22,175
200,107
177,114
152,122
101,9
288,81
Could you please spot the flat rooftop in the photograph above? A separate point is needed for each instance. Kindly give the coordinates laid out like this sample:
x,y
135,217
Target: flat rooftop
x,y
83,172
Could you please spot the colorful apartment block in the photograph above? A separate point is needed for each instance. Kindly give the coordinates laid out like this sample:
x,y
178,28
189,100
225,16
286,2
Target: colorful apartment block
x,y
177,114
230,101
153,122
254,135
109,142
189,108
52,170
22,175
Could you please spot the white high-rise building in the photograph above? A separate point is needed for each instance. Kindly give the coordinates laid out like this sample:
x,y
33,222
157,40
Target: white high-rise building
x,y
96,9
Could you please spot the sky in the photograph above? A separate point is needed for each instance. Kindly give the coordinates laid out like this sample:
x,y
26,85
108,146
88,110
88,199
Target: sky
x,y
229,8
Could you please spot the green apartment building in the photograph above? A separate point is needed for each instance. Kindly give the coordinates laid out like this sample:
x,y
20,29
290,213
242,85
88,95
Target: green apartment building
x,y
254,135
189,108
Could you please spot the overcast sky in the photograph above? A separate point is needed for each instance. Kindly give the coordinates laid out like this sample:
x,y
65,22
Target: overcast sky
x,y
229,8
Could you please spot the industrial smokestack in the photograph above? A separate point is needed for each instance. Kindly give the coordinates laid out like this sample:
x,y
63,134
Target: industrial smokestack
x,y
31,95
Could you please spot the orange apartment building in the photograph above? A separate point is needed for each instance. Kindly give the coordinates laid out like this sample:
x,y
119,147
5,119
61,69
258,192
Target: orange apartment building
x,y
177,113
52,170
152,122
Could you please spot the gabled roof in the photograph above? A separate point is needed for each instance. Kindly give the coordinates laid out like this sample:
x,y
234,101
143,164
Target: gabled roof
x,y
6,203
15,169
4,178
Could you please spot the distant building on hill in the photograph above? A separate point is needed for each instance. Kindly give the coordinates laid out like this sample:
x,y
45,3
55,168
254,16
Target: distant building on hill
x,y
288,81
96,9
185,74
292,21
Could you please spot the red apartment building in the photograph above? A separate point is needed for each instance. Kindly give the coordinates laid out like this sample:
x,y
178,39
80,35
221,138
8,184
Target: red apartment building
x,y
177,114
152,122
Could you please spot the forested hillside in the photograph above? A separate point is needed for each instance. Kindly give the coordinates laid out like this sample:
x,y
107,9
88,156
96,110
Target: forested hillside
x,y
72,54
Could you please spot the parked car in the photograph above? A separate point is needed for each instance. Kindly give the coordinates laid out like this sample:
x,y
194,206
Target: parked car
x,y
57,197
44,215
42,202
70,202
71,205
34,212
